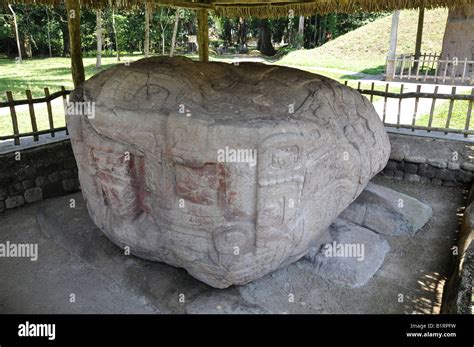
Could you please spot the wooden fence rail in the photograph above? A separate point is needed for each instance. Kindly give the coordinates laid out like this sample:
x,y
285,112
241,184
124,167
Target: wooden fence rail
x,y
11,104
384,94
434,97
432,68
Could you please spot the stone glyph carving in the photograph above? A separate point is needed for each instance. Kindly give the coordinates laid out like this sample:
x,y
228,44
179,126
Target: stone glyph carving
x,y
151,168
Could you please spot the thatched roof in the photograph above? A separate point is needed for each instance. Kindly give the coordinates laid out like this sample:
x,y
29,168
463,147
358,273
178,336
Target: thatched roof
x,y
265,8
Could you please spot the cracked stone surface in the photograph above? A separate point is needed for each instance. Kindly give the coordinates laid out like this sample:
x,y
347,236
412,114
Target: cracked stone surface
x,y
153,180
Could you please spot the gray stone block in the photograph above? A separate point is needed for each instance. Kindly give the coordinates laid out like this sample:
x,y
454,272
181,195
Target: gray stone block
x,y
3,207
415,159
351,258
446,175
387,211
454,166
14,201
468,166
436,181
411,168
33,195
438,163
54,177
464,176
41,181
397,156
15,189
427,171
398,175
411,178
28,184
391,165
69,184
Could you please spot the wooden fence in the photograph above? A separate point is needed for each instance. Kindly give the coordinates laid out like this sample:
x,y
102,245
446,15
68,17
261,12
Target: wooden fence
x,y
383,96
11,104
417,95
432,68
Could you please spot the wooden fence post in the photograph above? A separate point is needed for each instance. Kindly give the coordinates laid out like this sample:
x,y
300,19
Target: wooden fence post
x,y
14,118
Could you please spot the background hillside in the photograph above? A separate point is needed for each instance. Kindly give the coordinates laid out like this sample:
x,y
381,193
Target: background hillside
x,y
365,49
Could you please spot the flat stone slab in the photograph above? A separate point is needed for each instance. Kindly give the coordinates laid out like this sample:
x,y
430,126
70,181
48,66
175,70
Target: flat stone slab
x,y
229,172
387,211
351,257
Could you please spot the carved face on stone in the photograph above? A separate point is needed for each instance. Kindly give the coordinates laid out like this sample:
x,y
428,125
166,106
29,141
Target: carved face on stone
x,y
227,171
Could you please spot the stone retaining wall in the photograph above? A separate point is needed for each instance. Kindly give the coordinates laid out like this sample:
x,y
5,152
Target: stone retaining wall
x,y
33,174
430,160
432,171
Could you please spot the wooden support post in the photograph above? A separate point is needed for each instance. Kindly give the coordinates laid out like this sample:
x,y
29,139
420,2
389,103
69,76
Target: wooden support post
x,y
419,35
34,126
74,25
392,53
203,35
50,112
14,117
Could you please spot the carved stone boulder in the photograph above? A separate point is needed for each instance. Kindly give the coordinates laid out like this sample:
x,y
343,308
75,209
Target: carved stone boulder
x,y
228,171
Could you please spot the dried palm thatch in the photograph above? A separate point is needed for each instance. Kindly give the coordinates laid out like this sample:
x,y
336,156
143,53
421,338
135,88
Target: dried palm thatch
x,y
264,8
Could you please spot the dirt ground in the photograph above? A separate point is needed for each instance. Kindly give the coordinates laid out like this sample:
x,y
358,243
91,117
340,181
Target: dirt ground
x,y
80,271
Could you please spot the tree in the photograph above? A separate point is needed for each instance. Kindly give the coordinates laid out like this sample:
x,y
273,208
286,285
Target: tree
x,y
114,28
16,33
264,44
164,22
99,38
49,33
148,17
242,35
300,39
178,14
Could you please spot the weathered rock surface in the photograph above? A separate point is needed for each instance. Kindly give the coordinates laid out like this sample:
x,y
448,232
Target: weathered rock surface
x,y
151,172
350,256
387,211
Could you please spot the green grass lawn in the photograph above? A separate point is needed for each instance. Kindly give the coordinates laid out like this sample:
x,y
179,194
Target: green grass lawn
x,y
440,116
37,73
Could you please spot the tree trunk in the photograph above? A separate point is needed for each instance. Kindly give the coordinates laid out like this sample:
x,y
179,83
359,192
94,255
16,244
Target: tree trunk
x,y
175,31
264,44
98,63
300,32
114,28
16,33
148,14
242,35
49,34
163,43
66,43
